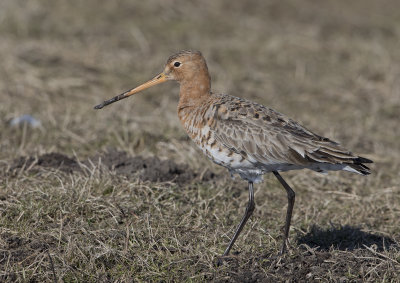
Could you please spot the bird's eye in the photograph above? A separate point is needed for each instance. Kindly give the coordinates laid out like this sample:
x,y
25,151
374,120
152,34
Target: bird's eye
x,y
177,64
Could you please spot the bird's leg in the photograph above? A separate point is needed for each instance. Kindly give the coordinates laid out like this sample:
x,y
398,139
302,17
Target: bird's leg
x,y
249,210
291,197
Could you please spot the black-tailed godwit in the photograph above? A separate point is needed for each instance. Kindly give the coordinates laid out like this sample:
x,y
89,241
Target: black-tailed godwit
x,y
247,138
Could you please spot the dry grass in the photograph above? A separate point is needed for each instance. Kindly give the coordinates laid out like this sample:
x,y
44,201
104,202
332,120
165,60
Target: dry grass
x,y
332,65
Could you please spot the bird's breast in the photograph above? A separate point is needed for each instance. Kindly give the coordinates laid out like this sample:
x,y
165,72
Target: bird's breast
x,y
199,123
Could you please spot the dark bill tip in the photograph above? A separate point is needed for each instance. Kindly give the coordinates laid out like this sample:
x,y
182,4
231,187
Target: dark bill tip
x,y
101,105
112,100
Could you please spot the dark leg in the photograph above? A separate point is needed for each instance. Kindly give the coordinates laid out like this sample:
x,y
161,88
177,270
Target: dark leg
x,y
247,214
291,198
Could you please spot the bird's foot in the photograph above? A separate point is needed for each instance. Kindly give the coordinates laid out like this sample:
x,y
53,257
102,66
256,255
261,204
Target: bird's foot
x,y
285,246
221,259
219,262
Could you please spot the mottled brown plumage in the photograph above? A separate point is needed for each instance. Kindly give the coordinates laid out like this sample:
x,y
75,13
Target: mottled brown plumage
x,y
247,138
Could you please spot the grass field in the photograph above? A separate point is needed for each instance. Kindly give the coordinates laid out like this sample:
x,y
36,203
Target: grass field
x,y
122,194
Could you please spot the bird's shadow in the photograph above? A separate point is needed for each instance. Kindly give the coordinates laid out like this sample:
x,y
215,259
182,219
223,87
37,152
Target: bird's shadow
x,y
344,238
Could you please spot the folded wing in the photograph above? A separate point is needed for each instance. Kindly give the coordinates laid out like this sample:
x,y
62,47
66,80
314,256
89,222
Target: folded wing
x,y
262,135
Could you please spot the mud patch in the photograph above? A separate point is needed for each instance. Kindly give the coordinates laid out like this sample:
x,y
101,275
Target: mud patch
x,y
146,169
49,160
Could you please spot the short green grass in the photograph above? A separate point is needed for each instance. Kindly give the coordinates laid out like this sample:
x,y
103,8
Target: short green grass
x,y
332,65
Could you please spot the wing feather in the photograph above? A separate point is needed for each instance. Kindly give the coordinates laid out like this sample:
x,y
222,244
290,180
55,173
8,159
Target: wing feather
x,y
269,137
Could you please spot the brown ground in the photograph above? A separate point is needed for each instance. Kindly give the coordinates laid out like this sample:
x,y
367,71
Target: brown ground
x,y
145,169
122,195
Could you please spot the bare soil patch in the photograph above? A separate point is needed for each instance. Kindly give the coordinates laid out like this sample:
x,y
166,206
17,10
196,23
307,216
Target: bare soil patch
x,y
146,169
50,160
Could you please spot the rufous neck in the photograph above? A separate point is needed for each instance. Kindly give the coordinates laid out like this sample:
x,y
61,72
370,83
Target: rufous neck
x,y
194,90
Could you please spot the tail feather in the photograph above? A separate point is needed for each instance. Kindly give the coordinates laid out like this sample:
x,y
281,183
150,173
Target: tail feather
x,y
349,163
360,168
358,165
360,159
326,155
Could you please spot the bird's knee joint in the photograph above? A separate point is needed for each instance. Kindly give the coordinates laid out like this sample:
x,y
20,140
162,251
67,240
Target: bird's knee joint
x,y
291,194
250,207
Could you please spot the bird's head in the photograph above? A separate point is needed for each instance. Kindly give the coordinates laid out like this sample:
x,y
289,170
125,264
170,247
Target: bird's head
x,y
184,66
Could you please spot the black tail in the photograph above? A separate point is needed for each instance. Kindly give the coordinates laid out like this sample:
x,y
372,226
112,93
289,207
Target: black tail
x,y
360,160
360,167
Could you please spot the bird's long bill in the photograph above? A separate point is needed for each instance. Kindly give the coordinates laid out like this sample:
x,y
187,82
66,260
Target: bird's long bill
x,y
155,81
